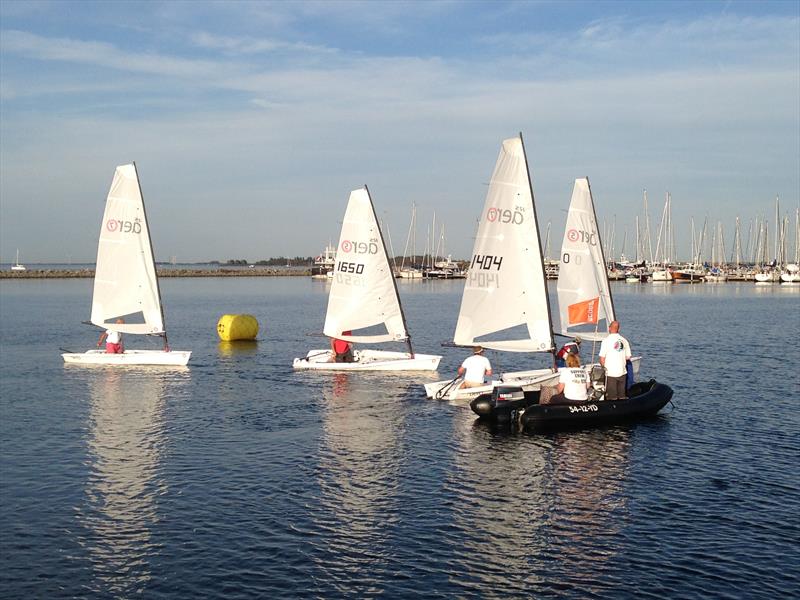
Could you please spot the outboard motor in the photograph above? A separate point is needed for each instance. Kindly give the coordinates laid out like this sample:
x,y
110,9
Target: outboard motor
x,y
597,377
503,403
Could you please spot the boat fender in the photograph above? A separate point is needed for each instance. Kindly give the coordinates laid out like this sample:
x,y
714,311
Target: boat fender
x,y
237,327
483,405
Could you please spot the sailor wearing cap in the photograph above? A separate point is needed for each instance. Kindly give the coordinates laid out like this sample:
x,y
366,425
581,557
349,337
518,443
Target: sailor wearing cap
x,y
475,368
573,347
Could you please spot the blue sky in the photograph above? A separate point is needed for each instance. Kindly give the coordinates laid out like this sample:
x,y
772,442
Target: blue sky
x,y
250,122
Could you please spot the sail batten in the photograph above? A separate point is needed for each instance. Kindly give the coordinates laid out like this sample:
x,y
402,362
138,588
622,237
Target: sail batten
x,y
505,287
125,276
584,297
363,292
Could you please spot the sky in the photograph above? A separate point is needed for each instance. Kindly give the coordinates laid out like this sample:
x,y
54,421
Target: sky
x,y
250,122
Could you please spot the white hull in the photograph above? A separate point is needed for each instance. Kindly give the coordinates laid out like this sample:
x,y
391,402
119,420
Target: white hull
x,y
767,277
528,380
129,357
369,360
661,276
790,278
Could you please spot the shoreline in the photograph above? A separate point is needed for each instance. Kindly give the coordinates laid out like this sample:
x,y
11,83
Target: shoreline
x,y
222,272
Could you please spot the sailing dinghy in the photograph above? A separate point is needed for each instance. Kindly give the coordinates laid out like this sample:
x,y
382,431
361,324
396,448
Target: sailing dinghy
x,y
505,306
125,280
363,300
585,303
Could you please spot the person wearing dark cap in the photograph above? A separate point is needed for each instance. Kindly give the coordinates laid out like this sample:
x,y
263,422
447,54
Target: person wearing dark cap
x,y
573,347
475,368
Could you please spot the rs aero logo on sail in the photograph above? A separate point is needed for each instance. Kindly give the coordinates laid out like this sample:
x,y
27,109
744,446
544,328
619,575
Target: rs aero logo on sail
x,y
359,247
577,235
115,225
497,215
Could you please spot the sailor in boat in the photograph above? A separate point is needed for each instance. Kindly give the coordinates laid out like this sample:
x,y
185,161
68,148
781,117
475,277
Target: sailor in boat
x,y
113,340
573,347
615,351
573,381
342,351
475,368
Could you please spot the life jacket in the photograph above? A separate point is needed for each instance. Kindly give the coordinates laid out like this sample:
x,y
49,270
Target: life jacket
x,y
562,354
340,346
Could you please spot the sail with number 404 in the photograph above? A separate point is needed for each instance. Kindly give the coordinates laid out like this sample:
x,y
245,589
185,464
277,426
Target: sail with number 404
x,y
584,298
505,304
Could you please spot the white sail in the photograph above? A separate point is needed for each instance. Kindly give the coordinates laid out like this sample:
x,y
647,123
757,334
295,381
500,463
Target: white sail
x,y
505,288
583,294
125,283
363,292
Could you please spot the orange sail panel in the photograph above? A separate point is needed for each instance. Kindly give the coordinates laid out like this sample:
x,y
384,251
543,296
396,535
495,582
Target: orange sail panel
x,y
583,312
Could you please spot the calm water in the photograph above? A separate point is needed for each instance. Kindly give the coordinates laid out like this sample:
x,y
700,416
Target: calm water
x,y
239,478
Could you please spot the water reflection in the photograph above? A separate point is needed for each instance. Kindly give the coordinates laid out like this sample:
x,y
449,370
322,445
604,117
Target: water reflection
x,y
526,501
237,348
359,458
125,443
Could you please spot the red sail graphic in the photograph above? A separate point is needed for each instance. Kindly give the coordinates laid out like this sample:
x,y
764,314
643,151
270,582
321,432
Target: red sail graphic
x,y
583,312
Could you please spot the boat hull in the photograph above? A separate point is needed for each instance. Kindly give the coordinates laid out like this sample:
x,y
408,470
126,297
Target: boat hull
x,y
646,399
173,358
368,360
451,390
528,380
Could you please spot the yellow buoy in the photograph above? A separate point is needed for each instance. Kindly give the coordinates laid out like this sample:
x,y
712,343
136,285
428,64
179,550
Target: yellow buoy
x,y
237,327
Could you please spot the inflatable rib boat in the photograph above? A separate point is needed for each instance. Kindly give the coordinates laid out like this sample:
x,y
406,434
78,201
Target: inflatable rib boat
x,y
512,404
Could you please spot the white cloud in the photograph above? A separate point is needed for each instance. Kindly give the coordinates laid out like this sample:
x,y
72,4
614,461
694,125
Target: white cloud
x,y
262,139
103,54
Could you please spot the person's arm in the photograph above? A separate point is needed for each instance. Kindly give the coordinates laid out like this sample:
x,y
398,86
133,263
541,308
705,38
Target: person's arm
x,y
559,388
602,361
102,337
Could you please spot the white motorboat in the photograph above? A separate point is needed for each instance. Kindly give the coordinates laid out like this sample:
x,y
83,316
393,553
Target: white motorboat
x,y
791,274
324,263
363,299
125,280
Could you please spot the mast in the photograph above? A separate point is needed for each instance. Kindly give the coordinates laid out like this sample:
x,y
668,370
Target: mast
x,y
777,232
647,230
394,280
737,243
541,255
610,296
546,244
153,257
409,237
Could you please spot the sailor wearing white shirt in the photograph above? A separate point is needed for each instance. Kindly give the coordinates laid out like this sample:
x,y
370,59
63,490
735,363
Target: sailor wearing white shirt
x,y
614,352
474,368
573,381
